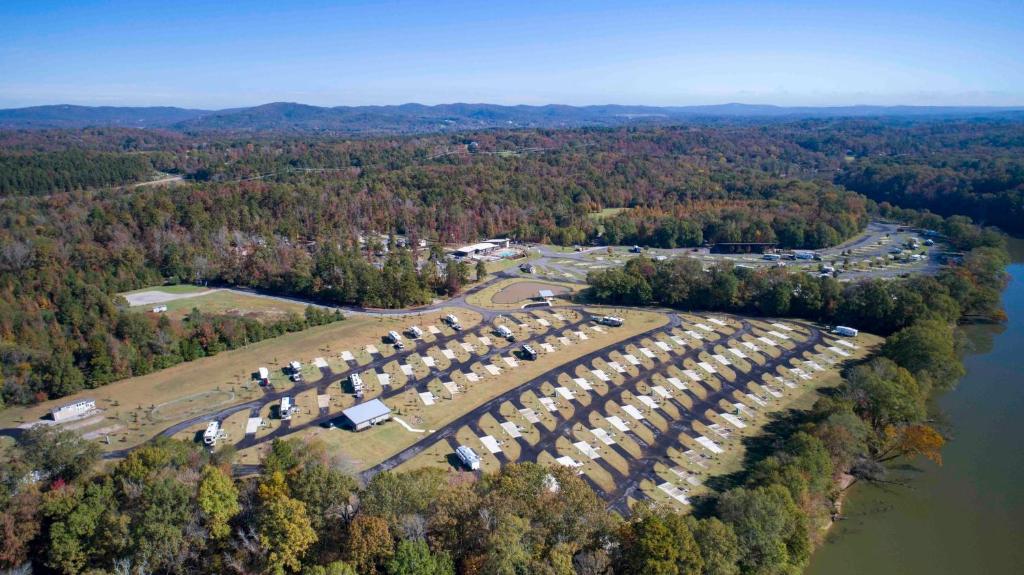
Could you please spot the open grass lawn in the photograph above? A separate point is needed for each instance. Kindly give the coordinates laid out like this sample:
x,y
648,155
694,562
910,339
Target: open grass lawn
x,y
230,303
171,289
485,297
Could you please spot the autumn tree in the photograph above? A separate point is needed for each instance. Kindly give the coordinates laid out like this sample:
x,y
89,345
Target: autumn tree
x,y
284,528
218,500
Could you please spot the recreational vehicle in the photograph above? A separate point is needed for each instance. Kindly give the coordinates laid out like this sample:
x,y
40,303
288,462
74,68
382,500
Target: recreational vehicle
x,y
468,457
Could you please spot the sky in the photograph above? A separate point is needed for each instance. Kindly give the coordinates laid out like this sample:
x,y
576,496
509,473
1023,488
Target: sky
x,y
222,54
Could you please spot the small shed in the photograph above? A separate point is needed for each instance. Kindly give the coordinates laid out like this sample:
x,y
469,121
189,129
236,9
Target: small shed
x,y
366,414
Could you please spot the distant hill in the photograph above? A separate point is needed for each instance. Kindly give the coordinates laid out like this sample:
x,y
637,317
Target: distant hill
x,y
67,116
415,118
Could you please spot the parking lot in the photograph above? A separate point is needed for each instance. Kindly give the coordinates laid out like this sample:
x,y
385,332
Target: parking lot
x,y
647,417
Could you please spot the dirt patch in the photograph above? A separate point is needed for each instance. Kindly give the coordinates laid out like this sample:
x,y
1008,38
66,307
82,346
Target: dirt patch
x,y
159,296
523,291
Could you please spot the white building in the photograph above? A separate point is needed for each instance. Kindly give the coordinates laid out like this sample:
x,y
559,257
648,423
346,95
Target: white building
x,y
367,414
73,410
478,249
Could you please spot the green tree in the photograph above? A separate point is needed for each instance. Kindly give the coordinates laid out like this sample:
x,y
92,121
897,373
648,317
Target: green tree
x,y
771,530
926,349
481,270
218,499
415,558
659,544
58,453
884,394
719,547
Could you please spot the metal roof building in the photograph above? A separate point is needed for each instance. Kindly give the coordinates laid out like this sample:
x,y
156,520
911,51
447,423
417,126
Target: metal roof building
x,y
366,414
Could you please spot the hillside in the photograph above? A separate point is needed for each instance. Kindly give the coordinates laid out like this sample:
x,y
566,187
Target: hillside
x,y
419,118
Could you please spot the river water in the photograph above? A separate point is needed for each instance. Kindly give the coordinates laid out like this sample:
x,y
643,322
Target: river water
x,y
966,516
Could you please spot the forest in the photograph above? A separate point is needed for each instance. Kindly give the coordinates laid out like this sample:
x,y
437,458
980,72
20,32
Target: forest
x,y
287,214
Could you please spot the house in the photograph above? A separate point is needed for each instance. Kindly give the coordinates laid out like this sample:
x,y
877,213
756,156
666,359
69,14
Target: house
x,y
366,414
468,457
73,410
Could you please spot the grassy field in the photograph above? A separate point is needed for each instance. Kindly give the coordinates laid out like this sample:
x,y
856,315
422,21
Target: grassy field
x,y
145,405
171,289
485,297
231,303
606,213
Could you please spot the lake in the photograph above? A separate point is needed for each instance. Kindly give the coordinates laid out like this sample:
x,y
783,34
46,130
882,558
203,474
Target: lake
x,y
966,516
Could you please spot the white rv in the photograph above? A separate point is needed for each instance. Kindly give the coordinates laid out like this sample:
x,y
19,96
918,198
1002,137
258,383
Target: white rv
x,y
415,332
503,331
286,409
845,331
452,321
468,457
212,433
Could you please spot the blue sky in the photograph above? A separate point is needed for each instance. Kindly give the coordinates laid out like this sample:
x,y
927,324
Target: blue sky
x,y
239,53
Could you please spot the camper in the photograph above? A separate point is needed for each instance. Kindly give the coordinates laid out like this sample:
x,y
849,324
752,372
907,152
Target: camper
x,y
414,332
468,457
845,331
452,321
504,332
393,337
803,255
529,353
771,257
610,320
286,409
295,371
356,382
264,375
636,250
212,433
